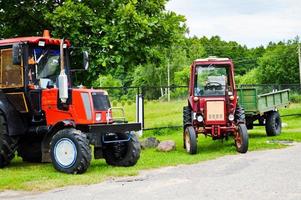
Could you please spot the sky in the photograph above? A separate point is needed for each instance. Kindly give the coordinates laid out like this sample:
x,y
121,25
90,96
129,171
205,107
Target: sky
x,y
248,22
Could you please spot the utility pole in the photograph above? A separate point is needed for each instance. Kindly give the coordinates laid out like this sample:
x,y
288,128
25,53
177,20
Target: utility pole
x,y
168,81
299,55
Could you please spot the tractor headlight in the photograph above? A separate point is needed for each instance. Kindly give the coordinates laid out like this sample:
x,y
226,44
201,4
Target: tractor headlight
x,y
231,98
200,118
98,116
231,117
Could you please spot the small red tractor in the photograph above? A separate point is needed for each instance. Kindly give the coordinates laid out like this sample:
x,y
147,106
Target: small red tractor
x,y
44,119
212,105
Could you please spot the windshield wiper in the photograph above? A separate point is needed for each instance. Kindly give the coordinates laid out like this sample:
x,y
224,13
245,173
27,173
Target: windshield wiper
x,y
41,56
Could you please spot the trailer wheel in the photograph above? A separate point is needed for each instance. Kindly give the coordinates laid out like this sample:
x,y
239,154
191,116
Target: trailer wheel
x,y
122,153
242,139
70,151
273,124
190,140
8,144
186,121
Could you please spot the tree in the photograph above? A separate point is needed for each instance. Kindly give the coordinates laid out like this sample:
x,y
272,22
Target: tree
x,y
279,64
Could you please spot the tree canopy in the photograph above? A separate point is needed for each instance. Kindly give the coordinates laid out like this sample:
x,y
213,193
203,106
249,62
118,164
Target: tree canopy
x,y
133,42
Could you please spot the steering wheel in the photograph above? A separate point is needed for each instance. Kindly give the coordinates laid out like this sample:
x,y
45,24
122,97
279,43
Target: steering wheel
x,y
215,85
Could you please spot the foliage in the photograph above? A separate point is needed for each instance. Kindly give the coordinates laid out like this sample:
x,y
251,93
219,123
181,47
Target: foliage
x,y
251,77
279,64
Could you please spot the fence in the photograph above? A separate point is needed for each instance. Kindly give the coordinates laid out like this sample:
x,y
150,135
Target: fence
x,y
161,113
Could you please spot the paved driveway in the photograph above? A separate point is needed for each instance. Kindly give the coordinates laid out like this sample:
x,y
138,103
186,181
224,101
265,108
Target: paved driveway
x,y
272,174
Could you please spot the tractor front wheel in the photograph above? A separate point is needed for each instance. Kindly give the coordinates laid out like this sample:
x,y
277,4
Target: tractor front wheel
x,y
242,139
70,151
190,140
122,153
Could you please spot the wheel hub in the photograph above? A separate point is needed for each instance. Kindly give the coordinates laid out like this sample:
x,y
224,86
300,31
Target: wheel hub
x,y
65,152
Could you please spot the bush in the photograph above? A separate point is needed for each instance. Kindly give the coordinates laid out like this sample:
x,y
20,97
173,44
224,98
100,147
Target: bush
x,y
114,103
129,102
295,98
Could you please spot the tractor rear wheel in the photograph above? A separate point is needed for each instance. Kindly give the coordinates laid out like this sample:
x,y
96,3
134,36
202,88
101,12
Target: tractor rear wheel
x,y
273,124
124,153
70,151
30,149
242,139
186,121
239,115
190,140
8,144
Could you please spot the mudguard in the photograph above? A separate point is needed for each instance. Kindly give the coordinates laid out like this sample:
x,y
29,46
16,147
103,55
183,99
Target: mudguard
x,y
14,120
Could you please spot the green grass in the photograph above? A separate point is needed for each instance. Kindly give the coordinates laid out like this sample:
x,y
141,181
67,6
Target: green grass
x,y
39,177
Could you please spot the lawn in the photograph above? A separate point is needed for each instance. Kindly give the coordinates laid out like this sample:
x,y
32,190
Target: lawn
x,y
39,177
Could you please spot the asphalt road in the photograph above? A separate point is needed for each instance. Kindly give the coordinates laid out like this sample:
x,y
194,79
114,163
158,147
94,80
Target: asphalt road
x,y
262,175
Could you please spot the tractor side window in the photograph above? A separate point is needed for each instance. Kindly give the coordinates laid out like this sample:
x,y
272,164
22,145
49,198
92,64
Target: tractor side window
x,y
11,75
211,81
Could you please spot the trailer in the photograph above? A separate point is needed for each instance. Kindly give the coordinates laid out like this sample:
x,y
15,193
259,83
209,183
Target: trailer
x,y
263,108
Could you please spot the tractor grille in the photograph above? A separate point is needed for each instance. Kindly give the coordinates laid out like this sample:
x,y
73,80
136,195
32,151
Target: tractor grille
x,y
18,100
215,110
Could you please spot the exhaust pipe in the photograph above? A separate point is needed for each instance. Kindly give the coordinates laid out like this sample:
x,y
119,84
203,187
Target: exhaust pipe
x,y
63,79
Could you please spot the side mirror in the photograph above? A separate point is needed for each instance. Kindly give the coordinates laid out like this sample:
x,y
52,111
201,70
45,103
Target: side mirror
x,y
17,54
86,60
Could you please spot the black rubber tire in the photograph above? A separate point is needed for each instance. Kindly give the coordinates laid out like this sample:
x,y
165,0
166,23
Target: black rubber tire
x,y
239,115
8,144
242,145
29,149
186,115
273,124
190,140
83,150
187,121
124,154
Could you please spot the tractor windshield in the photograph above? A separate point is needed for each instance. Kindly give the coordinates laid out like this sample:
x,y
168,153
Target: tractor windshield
x,y
48,64
211,80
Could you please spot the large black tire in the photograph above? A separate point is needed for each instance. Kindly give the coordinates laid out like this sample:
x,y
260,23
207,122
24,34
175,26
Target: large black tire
x,y
187,121
273,124
8,144
190,140
29,149
239,115
242,139
70,151
122,153
186,116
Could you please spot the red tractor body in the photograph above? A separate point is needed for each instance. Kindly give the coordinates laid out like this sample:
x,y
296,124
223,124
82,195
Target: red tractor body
x,y
212,103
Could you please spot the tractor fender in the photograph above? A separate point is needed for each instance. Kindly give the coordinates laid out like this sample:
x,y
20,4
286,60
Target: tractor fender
x,y
48,137
15,124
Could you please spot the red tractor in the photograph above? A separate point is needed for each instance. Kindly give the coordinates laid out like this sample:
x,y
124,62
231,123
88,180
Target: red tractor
x,y
212,105
44,119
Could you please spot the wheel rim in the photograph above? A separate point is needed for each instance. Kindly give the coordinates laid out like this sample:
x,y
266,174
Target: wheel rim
x,y
65,152
277,123
187,141
238,140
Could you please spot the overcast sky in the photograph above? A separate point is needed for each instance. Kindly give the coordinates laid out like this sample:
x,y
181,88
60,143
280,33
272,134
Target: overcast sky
x,y
249,22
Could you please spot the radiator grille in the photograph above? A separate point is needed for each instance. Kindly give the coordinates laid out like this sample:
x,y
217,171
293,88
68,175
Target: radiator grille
x,y
18,100
215,110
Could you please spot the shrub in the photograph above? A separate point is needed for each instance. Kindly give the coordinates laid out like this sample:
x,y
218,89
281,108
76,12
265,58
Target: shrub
x,y
295,98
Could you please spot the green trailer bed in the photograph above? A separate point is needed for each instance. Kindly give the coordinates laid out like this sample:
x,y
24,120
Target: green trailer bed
x,y
257,104
263,108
